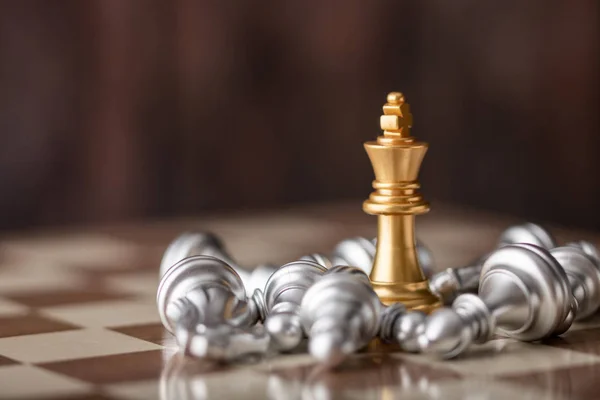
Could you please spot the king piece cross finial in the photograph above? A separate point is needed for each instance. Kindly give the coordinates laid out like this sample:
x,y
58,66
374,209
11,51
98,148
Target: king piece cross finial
x,y
396,120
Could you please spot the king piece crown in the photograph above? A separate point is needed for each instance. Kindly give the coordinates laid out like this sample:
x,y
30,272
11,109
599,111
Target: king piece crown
x,y
396,120
396,158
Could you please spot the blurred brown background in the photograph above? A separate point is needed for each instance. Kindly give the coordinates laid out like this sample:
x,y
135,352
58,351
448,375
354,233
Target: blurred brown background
x,y
121,109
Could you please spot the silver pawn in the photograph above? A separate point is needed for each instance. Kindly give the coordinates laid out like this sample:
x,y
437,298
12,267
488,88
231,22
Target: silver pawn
x,y
208,244
583,273
451,282
200,296
280,308
400,326
340,314
523,292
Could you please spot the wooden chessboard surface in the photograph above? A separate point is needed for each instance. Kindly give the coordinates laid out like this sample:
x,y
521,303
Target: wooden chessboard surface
x,y
78,319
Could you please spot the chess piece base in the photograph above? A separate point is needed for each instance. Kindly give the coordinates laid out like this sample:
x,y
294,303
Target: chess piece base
x,y
414,295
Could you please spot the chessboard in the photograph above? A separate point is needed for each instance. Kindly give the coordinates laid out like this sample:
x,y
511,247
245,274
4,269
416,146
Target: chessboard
x,y
78,318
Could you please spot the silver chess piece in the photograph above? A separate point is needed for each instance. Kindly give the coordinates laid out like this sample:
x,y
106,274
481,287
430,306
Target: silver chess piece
x,y
425,257
208,244
202,301
280,308
523,292
451,282
360,252
340,314
400,326
583,273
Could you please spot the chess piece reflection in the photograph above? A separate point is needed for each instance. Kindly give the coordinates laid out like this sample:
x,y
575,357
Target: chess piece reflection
x,y
185,379
396,158
361,377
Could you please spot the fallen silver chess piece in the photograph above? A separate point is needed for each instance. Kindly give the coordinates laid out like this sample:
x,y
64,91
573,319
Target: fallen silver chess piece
x,y
451,282
283,293
524,293
202,301
583,273
341,313
184,304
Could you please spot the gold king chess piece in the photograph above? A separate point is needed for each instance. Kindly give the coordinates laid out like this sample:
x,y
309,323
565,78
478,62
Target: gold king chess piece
x,y
396,158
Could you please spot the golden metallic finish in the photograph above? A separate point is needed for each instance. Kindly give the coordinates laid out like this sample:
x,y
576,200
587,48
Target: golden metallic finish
x,y
396,158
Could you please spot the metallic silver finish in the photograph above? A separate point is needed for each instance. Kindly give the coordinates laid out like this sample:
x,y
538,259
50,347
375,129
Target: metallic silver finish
x,y
208,244
523,292
206,284
202,295
402,327
358,252
527,233
584,278
453,281
193,244
588,248
282,298
340,314
352,271
318,258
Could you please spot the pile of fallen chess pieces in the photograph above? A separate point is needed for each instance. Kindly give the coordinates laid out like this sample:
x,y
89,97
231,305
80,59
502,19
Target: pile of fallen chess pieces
x,y
528,289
